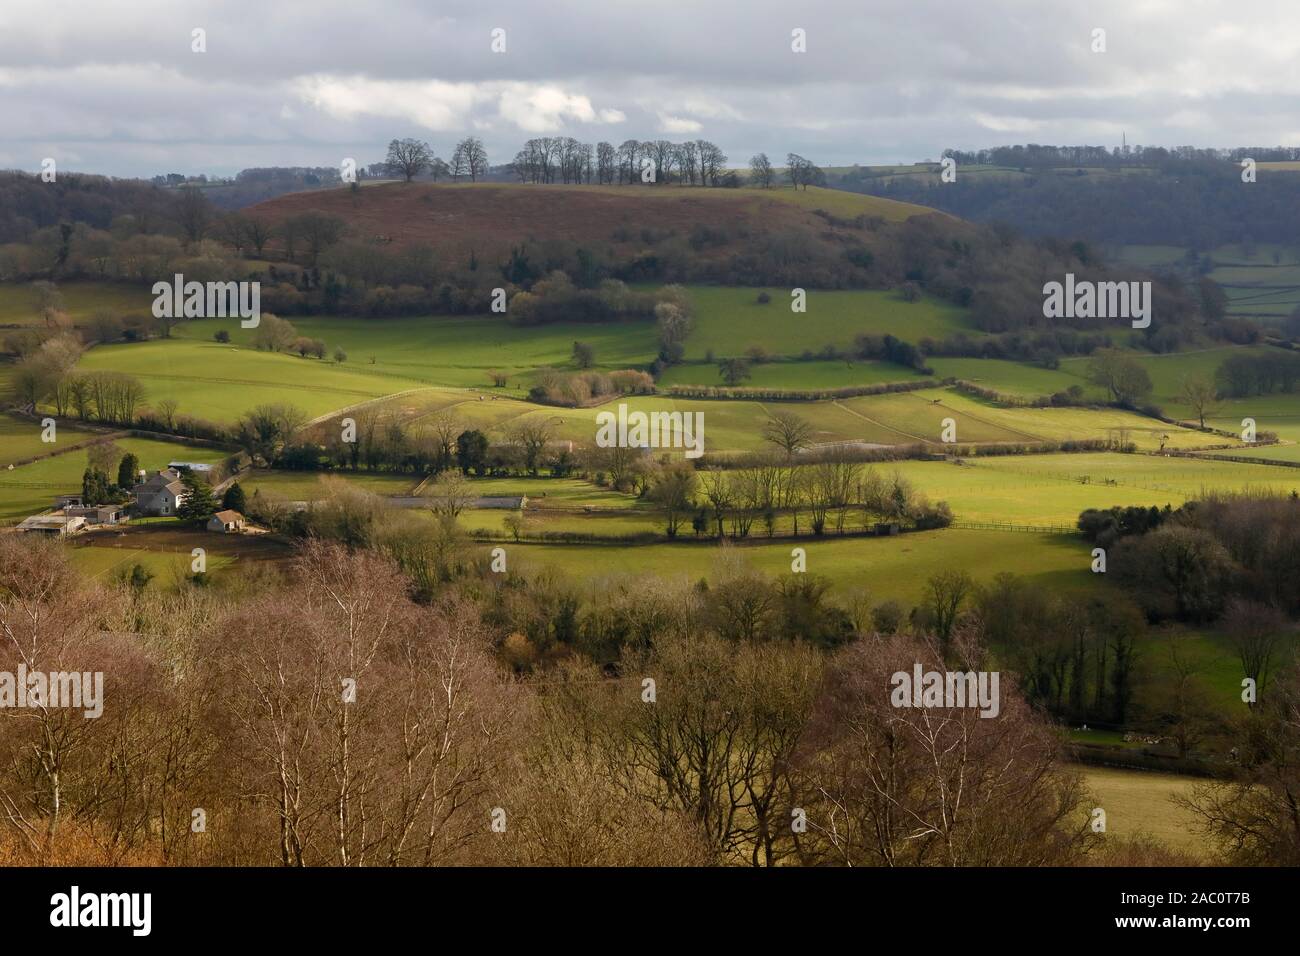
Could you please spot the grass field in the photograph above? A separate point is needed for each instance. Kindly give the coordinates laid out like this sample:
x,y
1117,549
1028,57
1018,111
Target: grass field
x,y
80,299
1011,378
896,418
456,351
1033,490
221,382
1050,424
1147,478
1261,281
1140,802
20,438
729,320
164,547
794,375
104,561
885,567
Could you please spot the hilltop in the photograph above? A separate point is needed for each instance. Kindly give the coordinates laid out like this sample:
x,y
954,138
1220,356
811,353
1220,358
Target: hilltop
x,y
493,214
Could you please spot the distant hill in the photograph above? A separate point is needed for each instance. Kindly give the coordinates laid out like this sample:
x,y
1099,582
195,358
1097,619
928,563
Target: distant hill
x,y
488,215
1196,203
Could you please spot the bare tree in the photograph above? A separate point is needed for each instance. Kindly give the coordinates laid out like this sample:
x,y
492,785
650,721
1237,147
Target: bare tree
x,y
889,785
451,493
789,432
410,157
193,214
1257,630
531,434
946,592
1201,395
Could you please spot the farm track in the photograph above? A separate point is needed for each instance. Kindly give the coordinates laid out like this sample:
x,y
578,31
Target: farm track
x,y
888,428
991,424
320,419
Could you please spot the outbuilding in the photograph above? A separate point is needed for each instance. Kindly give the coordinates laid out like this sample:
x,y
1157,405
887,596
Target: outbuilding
x,y
227,522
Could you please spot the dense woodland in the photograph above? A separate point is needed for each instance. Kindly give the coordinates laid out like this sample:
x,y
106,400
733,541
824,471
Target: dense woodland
x,y
1191,198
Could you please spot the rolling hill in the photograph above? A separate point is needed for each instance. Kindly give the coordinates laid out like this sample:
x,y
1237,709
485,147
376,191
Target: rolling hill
x,y
493,214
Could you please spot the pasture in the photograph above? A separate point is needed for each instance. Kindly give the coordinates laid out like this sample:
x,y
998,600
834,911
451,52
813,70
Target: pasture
x,y
221,382
456,350
730,319
80,299
1261,280
20,438
883,567
796,375
893,418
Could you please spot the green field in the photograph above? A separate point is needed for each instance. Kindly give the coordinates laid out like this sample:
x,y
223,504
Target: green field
x,y
1261,281
20,438
1025,490
729,320
453,350
80,299
793,375
1146,478
221,382
1011,378
885,567
980,421
167,567
894,418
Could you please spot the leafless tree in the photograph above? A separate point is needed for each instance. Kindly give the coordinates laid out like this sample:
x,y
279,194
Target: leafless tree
x,y
410,157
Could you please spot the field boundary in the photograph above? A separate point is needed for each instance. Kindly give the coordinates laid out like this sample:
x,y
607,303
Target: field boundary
x,y
1007,526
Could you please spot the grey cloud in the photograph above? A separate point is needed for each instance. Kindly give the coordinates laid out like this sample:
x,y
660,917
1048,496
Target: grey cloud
x,y
115,88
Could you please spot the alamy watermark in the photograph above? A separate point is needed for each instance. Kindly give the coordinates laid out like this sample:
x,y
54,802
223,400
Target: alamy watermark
x,y
1098,300
74,908
38,690
652,430
946,689
208,300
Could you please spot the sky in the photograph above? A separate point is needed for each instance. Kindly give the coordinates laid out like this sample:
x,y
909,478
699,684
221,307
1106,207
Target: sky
x,y
118,88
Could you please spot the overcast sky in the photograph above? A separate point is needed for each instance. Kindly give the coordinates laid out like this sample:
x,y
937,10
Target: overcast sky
x,y
114,87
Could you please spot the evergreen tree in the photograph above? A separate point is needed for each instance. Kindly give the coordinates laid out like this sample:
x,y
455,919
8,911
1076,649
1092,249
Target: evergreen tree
x,y
471,451
94,487
234,498
199,503
126,470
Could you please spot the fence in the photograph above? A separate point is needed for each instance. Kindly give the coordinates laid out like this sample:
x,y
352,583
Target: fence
x,y
1006,526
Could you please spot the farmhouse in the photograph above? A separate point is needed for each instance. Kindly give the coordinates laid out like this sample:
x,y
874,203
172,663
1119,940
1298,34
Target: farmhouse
x,y
227,522
160,494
